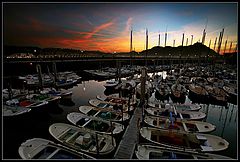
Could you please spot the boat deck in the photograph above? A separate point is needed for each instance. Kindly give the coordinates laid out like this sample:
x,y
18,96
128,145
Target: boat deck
x,y
126,146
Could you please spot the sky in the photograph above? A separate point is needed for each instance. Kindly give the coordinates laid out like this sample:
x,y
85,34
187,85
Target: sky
x,y
106,26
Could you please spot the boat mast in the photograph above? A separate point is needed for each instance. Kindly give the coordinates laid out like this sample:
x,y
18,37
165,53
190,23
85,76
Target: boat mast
x,y
146,46
182,39
204,33
215,44
236,48
209,44
191,39
131,47
159,39
165,38
225,45
220,41
230,47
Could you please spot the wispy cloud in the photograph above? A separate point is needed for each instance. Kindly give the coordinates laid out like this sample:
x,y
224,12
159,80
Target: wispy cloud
x,y
99,28
128,25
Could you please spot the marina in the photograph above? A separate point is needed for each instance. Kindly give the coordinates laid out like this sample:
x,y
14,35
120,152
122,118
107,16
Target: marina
x,y
90,90
74,86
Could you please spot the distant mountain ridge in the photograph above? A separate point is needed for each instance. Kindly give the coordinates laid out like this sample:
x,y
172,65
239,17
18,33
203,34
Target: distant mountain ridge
x,y
197,49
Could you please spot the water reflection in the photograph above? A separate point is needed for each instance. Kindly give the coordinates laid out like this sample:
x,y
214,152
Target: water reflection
x,y
236,116
220,114
231,115
224,123
89,90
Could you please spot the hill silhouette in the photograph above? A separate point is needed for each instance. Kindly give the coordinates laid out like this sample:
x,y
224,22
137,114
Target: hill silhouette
x,y
197,49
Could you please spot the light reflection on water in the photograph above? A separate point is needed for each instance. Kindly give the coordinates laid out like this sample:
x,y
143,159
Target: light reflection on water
x,y
226,125
87,90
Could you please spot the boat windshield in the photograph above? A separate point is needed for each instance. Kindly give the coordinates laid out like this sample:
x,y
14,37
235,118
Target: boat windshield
x,y
98,126
169,155
183,107
92,112
102,105
62,154
106,115
43,154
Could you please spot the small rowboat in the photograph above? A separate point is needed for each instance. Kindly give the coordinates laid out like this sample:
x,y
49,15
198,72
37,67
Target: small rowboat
x,y
146,152
188,125
39,148
113,106
115,100
95,123
184,140
81,139
187,115
217,96
104,114
182,107
9,111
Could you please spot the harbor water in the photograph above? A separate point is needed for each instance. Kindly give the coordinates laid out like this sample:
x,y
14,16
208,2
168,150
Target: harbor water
x,y
18,130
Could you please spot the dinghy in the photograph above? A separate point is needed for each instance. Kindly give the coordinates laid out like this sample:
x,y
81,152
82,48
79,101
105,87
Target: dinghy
x,y
198,94
184,140
170,79
34,105
178,93
215,82
104,114
184,80
189,126
82,139
113,106
39,148
182,107
232,91
187,115
199,81
117,100
147,152
95,123
9,111
126,87
111,83
217,96
162,92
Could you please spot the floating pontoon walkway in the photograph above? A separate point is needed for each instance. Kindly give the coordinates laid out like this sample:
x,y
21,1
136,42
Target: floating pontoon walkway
x,y
126,146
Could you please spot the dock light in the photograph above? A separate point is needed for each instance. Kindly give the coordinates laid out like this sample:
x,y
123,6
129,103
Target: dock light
x,y
84,88
30,63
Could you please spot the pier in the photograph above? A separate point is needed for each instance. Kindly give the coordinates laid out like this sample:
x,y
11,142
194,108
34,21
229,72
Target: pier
x,y
126,146
111,58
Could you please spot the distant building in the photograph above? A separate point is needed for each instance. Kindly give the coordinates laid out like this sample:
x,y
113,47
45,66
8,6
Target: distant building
x,y
21,55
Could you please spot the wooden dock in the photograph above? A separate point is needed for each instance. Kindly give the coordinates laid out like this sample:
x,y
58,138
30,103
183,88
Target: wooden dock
x,y
126,146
